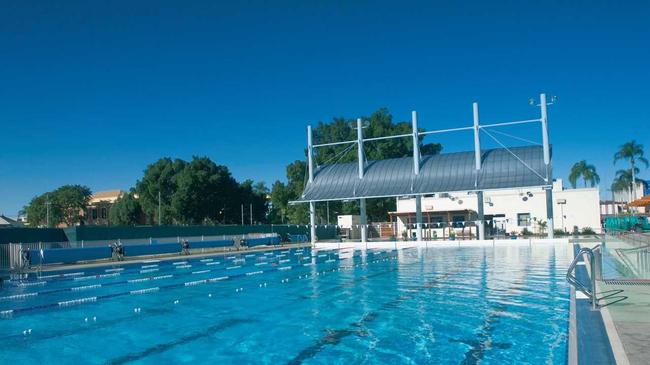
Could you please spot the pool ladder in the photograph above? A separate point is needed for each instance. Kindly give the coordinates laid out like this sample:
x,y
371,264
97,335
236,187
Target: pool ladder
x,y
573,280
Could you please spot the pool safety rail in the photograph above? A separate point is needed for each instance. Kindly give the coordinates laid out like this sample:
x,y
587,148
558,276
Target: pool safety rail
x,y
39,255
587,289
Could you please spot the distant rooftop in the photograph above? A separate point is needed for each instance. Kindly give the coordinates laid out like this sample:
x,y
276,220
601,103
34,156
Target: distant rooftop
x,y
6,222
108,195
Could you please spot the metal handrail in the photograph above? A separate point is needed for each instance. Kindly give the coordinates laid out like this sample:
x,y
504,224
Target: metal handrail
x,y
573,280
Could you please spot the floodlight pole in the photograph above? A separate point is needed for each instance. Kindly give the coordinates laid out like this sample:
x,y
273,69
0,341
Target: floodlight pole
x,y
477,165
547,164
416,171
312,205
363,218
310,154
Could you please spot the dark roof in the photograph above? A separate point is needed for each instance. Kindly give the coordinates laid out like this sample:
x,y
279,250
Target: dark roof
x,y
8,222
438,173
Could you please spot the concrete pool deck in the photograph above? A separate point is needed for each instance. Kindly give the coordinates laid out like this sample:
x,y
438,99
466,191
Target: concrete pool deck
x,y
625,308
630,315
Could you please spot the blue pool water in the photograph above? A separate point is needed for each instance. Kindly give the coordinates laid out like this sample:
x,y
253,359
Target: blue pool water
x,y
444,305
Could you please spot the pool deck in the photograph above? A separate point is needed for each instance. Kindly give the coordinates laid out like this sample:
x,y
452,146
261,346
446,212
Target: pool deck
x,y
625,312
630,316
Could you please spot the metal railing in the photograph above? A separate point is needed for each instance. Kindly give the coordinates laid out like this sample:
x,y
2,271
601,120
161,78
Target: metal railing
x,y
590,292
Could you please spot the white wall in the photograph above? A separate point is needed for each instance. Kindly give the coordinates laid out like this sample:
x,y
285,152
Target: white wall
x,y
582,208
348,221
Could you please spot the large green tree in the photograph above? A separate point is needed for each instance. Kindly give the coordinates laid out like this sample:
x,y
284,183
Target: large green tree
x,y
254,195
633,153
71,200
623,182
203,190
37,211
279,202
65,205
159,180
125,211
586,171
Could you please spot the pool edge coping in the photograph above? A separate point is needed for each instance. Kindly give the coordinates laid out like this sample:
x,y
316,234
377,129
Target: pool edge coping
x,y
572,358
614,340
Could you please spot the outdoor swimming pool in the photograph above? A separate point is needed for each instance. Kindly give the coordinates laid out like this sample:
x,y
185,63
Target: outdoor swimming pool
x,y
448,305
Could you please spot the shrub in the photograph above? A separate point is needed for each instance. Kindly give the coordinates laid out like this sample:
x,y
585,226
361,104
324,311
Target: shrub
x,y
588,230
559,232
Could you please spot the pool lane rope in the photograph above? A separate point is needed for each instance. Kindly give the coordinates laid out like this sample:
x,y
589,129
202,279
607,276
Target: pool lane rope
x,y
10,313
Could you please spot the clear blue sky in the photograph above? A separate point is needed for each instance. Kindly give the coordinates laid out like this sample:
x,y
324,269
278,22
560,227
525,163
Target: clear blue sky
x,y
93,91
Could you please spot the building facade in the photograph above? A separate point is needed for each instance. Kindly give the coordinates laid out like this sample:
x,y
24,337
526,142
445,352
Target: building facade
x,y
507,212
97,211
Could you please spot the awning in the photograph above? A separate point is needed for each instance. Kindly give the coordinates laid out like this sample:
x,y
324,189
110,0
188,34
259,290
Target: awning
x,y
452,172
642,202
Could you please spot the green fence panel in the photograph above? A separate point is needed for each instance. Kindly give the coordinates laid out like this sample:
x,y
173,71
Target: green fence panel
x,y
106,233
97,233
18,235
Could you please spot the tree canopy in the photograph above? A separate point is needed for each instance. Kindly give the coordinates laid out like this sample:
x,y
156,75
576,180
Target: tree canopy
x,y
66,205
125,211
197,192
159,178
586,171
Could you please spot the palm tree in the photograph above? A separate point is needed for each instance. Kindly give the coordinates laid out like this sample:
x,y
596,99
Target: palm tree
x,y
624,181
588,173
632,152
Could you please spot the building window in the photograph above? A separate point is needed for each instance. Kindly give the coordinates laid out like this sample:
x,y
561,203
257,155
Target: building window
x,y
94,213
523,219
103,213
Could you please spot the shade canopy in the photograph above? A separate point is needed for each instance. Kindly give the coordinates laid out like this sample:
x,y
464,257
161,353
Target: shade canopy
x,y
642,202
451,172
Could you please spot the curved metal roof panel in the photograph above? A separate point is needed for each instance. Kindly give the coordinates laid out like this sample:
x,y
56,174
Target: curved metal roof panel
x,y
438,173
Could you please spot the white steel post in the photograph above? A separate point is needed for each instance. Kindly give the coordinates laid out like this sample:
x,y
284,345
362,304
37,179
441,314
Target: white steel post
x,y
360,147
312,222
416,171
547,162
312,205
477,166
363,215
310,154
363,220
418,217
416,143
